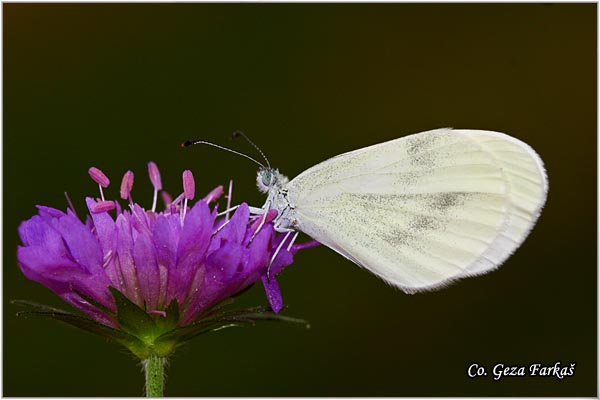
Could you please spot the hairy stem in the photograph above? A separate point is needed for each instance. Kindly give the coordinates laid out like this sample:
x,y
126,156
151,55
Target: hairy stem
x,y
154,368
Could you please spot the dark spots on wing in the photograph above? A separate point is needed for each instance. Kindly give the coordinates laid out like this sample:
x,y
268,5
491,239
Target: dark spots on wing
x,y
444,201
432,216
424,160
419,143
418,228
422,223
418,150
399,237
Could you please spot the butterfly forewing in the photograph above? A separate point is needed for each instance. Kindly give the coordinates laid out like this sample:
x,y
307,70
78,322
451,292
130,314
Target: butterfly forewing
x,y
425,209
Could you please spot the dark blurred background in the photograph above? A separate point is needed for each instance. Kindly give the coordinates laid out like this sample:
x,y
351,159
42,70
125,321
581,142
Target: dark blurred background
x,y
118,85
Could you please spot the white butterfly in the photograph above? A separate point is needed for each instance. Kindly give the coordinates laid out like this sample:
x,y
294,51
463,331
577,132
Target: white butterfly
x,y
420,211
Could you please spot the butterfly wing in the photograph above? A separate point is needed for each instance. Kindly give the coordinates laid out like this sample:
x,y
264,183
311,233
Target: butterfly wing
x,y
425,209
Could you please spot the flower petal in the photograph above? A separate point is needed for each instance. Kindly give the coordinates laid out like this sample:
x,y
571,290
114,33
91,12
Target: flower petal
x,y
283,259
49,213
236,228
191,249
224,263
105,228
140,221
257,255
40,266
273,293
60,275
38,232
147,271
221,267
165,238
126,263
82,244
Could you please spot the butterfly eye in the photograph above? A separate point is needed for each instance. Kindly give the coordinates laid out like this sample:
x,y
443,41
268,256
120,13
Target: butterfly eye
x,y
266,178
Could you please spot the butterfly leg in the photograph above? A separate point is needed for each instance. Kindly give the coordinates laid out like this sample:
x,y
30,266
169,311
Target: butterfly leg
x,y
221,227
264,212
293,240
277,252
256,210
253,210
229,199
228,211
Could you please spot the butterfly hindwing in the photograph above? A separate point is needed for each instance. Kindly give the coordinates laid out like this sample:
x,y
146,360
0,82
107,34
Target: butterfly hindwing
x,y
423,210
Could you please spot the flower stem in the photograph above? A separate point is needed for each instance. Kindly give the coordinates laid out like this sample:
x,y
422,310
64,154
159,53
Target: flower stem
x,y
154,367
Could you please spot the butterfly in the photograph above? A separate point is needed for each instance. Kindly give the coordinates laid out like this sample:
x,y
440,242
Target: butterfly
x,y
420,211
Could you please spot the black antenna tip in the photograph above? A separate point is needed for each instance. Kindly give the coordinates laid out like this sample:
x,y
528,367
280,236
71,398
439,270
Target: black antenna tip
x,y
187,143
237,134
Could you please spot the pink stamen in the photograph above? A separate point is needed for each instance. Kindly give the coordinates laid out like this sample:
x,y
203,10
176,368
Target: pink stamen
x,y
306,245
166,198
102,206
178,199
99,177
127,185
71,206
189,186
213,195
158,312
154,175
156,182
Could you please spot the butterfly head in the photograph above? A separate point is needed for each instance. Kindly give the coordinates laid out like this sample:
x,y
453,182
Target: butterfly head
x,y
270,178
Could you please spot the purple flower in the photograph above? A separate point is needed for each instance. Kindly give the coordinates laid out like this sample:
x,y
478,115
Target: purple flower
x,y
185,256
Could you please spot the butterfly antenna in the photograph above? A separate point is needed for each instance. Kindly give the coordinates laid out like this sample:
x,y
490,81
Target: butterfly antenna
x,y
194,142
237,134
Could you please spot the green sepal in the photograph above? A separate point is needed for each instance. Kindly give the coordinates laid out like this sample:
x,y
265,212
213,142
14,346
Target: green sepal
x,y
215,309
132,318
223,320
147,335
84,323
164,324
96,304
255,314
35,306
185,333
271,316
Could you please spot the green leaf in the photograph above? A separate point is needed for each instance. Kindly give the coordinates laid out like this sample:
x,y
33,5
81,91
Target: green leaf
x,y
169,322
85,324
226,319
215,309
36,306
271,316
146,335
218,314
93,302
134,344
185,333
132,318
